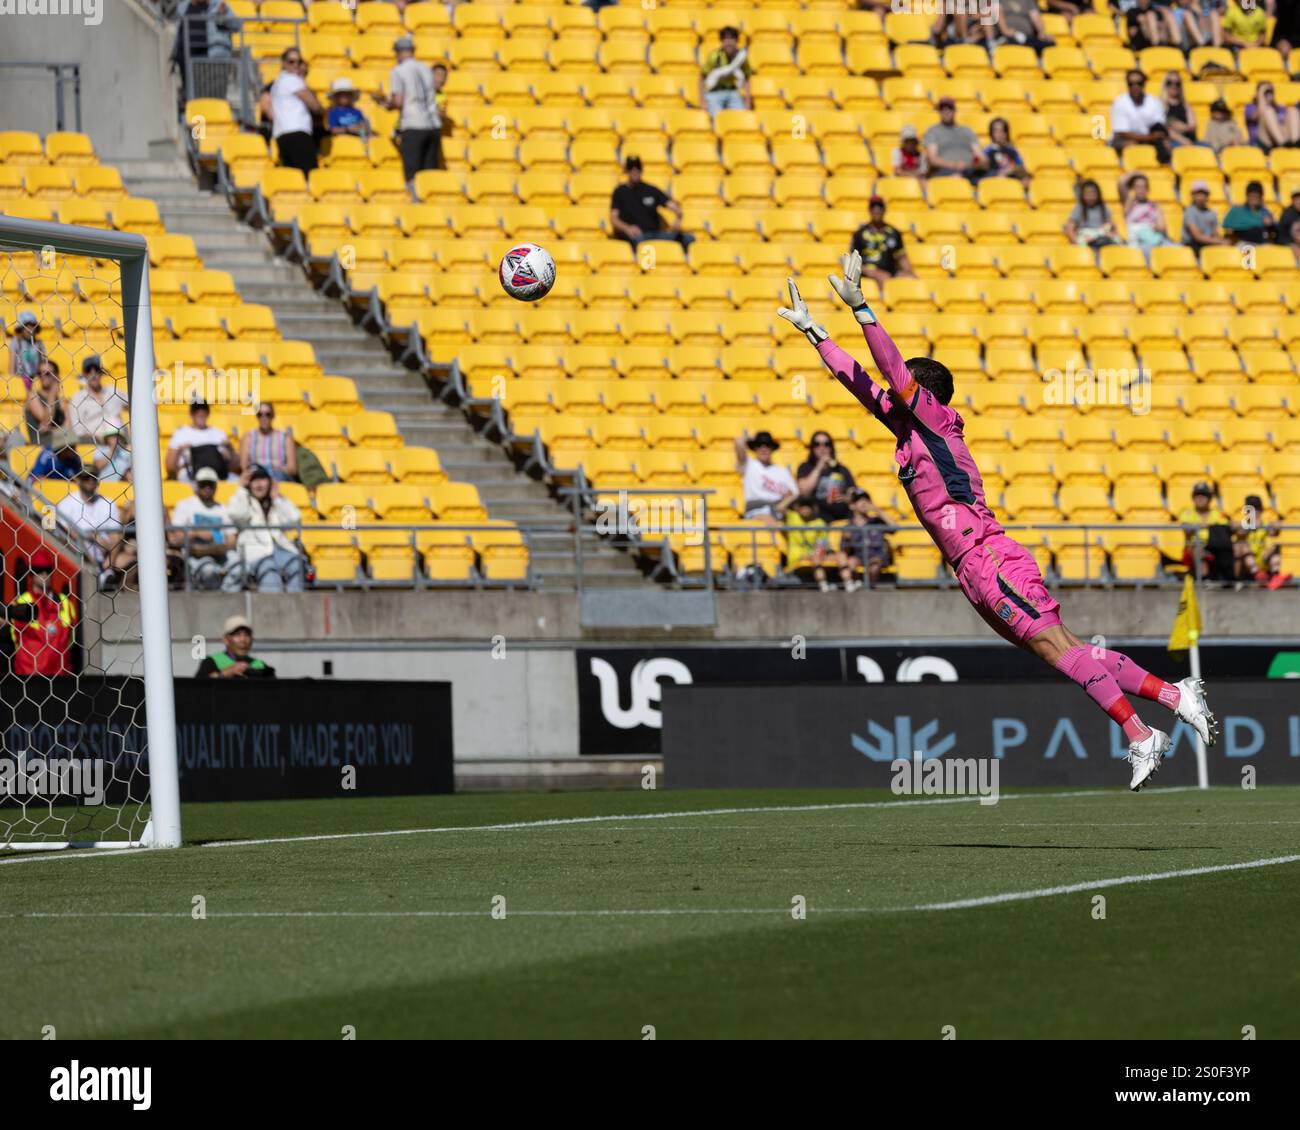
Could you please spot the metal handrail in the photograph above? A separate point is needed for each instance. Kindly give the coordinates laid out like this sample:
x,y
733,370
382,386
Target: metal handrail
x,y
63,73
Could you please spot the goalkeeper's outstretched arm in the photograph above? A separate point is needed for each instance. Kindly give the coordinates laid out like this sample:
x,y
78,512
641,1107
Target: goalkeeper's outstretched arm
x,y
883,350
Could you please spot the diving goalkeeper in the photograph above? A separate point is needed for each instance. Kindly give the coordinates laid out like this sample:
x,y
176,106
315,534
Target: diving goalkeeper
x,y
998,575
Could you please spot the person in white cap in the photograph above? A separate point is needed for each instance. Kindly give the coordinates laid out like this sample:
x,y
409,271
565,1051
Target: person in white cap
x,y
235,660
344,115
204,532
1200,224
415,94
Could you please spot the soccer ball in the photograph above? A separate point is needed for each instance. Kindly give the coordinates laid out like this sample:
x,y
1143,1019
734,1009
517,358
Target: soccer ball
x,y
527,272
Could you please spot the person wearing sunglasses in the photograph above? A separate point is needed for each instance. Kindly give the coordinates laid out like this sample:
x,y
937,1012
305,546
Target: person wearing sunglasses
x,y
293,108
1134,112
825,479
270,447
1180,118
1269,125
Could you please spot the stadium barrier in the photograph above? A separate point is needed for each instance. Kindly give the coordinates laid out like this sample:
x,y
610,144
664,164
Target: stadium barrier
x,y
849,737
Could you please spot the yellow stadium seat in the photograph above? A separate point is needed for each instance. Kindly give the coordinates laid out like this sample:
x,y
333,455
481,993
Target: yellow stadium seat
x,y
19,147
70,150
100,183
137,216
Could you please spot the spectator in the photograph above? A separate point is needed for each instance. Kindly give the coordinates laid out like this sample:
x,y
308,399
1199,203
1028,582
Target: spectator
x,y
99,523
862,544
291,107
1256,559
236,660
769,488
113,455
197,444
95,402
58,461
1250,222
1208,524
1200,224
1133,113
1194,23
824,479
1143,217
414,94
952,150
203,30
1004,158
41,622
808,545
1090,224
47,410
1222,130
1268,125
440,104
909,157
1019,21
1161,143
270,557
271,447
1145,27
952,28
25,352
881,247
1286,30
345,117
1068,8
634,210
1180,118
1245,24
724,82
204,533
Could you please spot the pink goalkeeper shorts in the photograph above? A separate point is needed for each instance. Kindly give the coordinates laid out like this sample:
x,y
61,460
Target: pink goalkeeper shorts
x,y
1001,579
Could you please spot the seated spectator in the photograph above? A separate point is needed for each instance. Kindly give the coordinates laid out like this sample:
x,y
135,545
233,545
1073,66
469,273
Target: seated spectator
x,y
1134,112
724,79
634,210
1290,214
1222,129
99,523
1245,24
1068,8
1257,560
1269,125
236,660
825,479
1003,157
1145,27
1286,30
909,157
41,622
270,447
769,487
205,536
1207,524
952,150
344,116
1180,118
198,444
953,28
47,411
1090,223
1020,22
26,352
271,558
1200,224
1161,143
1250,222
808,545
881,247
95,402
58,461
862,543
1143,217
113,455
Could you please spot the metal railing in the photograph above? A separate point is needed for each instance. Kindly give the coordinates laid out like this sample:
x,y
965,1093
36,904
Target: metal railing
x,y
235,78
64,75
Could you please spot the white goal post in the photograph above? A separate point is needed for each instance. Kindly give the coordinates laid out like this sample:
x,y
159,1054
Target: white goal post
x,y
88,289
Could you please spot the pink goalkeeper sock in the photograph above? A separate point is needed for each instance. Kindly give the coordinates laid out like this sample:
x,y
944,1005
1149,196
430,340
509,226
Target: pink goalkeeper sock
x,y
1101,686
1133,679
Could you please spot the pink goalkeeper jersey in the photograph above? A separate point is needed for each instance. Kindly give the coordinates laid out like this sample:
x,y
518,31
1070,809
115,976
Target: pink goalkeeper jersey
x,y
934,464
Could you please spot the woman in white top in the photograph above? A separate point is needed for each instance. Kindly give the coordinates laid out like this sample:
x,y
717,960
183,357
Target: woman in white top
x,y
290,105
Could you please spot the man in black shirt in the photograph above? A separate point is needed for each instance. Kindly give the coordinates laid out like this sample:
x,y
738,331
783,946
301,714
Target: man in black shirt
x,y
634,210
881,247
235,662
1290,216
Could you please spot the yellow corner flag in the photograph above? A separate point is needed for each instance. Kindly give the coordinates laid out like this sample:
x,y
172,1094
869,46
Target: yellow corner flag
x,y
1187,624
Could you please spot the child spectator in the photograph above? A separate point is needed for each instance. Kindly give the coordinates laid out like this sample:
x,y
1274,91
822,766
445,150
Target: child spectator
x,y
1222,130
808,544
1090,224
1200,224
1257,560
344,115
1004,158
862,543
1142,215
909,157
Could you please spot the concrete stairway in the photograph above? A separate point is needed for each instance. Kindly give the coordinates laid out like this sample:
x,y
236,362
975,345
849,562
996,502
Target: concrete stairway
x,y
347,350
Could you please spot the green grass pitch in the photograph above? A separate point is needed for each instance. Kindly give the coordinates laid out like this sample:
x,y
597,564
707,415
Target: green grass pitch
x,y
394,934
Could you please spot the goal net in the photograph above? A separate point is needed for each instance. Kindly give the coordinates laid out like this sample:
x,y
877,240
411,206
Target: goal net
x,y
87,719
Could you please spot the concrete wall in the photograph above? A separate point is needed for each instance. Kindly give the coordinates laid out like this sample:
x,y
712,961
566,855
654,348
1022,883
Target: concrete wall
x,y
127,98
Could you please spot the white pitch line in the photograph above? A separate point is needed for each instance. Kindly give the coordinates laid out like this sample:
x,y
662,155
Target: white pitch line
x,y
559,822
962,904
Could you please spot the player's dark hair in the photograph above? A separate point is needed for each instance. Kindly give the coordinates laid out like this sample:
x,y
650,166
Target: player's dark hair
x,y
932,376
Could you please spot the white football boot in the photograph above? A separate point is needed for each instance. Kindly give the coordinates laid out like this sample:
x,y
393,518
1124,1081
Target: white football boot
x,y
1193,709
1145,757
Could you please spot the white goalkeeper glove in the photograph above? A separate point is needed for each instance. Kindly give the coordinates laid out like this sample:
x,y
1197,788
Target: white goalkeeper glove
x,y
849,288
797,315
